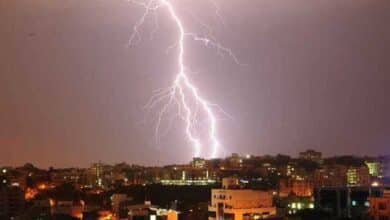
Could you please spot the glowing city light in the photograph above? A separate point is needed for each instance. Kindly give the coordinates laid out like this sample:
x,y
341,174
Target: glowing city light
x,y
183,92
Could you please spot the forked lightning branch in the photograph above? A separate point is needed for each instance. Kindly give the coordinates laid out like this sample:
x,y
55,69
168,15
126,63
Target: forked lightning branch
x,y
183,93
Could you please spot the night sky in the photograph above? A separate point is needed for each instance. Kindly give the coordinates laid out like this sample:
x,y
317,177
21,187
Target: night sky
x,y
316,74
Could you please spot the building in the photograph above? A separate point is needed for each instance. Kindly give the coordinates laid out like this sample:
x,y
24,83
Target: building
x,y
11,202
188,175
233,203
198,163
345,202
234,162
294,204
331,176
311,155
341,176
374,168
358,176
380,207
70,175
117,199
147,211
300,188
74,209
290,170
100,175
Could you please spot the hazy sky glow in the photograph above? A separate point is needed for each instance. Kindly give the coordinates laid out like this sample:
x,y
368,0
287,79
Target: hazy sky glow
x,y
317,75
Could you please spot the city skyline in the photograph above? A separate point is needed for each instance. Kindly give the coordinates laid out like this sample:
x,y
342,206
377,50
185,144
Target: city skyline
x,y
318,158
274,187
316,75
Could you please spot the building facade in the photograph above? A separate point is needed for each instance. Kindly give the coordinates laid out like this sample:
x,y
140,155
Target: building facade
x,y
358,176
233,203
11,202
380,207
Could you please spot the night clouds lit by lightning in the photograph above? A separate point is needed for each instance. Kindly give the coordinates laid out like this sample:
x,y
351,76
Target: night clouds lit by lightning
x,y
79,84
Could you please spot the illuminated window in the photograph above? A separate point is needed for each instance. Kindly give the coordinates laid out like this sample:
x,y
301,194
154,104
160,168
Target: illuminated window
x,y
293,205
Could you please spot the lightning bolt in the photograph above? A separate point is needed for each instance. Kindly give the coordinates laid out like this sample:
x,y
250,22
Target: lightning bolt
x,y
183,92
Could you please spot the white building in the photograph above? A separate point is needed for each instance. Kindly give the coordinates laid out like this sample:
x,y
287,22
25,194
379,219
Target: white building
x,y
233,203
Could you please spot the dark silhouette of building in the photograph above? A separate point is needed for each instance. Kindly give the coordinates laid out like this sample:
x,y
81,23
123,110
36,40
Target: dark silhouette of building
x,y
11,202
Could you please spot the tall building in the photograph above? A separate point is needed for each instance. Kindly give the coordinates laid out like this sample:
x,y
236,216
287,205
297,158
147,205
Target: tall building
x,y
99,174
234,203
96,171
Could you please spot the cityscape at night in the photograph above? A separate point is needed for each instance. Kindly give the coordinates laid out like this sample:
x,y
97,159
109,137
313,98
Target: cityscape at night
x,y
236,187
194,110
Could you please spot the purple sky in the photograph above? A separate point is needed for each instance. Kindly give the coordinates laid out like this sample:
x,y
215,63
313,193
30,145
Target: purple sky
x,y
317,75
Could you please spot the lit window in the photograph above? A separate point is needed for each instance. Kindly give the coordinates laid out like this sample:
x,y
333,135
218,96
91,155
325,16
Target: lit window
x,y
293,205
